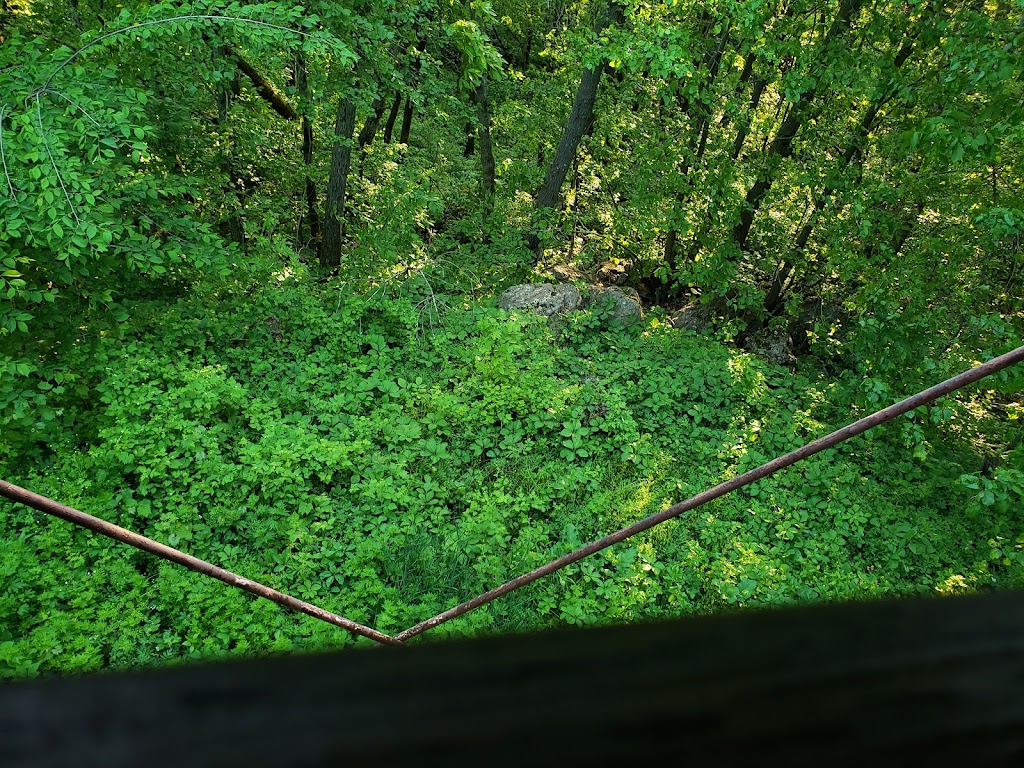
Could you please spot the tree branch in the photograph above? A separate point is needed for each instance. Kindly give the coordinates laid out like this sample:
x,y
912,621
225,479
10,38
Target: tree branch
x,y
265,89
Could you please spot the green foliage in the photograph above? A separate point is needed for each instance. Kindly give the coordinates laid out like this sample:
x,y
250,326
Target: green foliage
x,y
92,208
329,445
383,441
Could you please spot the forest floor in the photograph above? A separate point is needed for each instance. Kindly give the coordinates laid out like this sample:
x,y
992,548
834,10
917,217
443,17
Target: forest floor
x,y
388,456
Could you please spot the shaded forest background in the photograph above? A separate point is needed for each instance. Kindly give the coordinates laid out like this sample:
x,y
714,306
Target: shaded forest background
x,y
248,255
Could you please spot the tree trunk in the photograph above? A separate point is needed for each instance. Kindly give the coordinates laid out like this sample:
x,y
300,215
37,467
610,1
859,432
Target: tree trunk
x,y
701,108
581,117
773,298
389,127
421,46
748,70
369,129
264,87
312,204
755,99
341,157
782,145
527,49
403,138
483,116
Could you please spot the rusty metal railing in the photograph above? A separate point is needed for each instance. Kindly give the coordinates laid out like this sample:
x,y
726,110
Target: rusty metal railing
x,y
116,532
50,507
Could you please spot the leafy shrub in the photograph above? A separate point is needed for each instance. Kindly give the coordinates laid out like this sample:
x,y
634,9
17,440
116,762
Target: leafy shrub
x,y
323,443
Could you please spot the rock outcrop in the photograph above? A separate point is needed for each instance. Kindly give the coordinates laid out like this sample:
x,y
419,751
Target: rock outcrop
x,y
548,299
625,303
699,318
543,298
774,345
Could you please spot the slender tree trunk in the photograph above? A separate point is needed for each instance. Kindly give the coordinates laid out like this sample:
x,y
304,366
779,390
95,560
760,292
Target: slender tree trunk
x,y
369,129
773,298
232,227
334,210
782,145
581,116
483,116
700,108
263,86
421,46
407,113
755,100
312,204
748,70
389,126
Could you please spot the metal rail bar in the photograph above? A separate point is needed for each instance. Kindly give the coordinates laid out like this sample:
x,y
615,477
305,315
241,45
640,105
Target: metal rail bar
x,y
22,496
828,441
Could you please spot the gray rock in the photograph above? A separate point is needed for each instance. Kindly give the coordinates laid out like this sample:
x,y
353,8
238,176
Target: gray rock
x,y
698,318
625,303
567,273
825,319
775,345
612,273
543,298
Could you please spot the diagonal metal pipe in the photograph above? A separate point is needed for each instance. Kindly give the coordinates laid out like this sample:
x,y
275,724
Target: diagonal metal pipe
x,y
22,496
41,503
862,425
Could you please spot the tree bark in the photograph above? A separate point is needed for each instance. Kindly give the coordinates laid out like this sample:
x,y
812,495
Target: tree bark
x,y
581,117
264,87
389,126
773,298
782,145
407,113
755,99
369,129
341,158
483,116
748,70
421,46
312,204
701,109
760,84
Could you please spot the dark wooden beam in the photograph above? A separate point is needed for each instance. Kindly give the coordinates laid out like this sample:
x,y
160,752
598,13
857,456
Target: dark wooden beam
x,y
921,682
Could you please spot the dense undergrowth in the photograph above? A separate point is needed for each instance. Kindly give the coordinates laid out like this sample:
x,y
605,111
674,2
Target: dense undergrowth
x,y
385,463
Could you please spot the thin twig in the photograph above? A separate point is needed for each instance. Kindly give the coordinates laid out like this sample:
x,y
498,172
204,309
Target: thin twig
x,y
3,153
155,22
73,103
60,179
